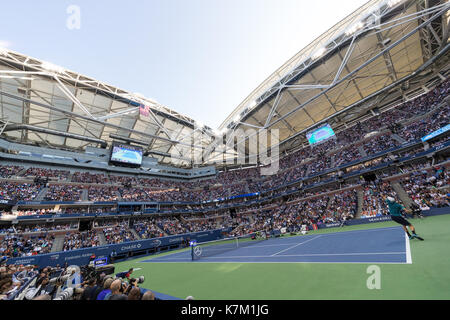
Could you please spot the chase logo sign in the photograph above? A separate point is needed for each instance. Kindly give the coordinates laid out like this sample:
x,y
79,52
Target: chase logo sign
x,y
131,247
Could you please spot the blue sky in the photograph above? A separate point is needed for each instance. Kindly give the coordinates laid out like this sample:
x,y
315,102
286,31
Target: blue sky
x,y
198,57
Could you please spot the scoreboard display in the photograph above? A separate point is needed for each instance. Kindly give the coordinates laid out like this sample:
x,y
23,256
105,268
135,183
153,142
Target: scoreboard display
x,y
320,135
126,155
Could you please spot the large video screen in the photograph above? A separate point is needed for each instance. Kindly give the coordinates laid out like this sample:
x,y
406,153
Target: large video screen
x,y
126,154
320,135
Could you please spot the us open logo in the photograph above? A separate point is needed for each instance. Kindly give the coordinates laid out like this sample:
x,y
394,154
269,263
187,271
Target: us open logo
x,y
156,243
198,251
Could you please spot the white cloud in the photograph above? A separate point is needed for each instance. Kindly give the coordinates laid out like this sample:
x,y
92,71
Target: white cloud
x,y
5,44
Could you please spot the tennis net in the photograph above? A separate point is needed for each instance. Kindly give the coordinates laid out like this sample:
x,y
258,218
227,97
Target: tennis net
x,y
211,248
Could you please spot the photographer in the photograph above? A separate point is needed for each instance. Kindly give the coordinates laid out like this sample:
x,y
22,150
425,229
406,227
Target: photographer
x,y
133,284
134,294
42,287
89,289
117,289
125,274
106,289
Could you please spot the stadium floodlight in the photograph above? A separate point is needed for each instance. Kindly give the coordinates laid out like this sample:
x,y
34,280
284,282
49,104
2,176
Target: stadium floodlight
x,y
52,67
319,53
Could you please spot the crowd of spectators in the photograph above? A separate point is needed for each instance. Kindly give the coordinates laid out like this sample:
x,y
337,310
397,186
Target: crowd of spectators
x,y
47,227
171,225
87,177
79,240
373,202
19,282
63,193
380,143
13,278
308,210
199,225
103,194
147,229
47,173
425,187
9,171
18,245
119,233
11,191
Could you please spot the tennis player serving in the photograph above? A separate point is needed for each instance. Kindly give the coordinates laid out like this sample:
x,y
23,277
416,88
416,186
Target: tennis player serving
x,y
395,210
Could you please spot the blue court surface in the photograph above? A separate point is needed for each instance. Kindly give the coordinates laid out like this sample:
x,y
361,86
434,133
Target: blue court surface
x,y
385,245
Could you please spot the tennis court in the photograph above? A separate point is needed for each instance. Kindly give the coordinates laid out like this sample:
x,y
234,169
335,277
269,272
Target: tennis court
x,y
386,245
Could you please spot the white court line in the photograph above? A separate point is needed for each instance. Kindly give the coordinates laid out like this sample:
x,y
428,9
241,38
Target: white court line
x,y
359,231
268,245
298,244
285,262
342,254
408,250
300,255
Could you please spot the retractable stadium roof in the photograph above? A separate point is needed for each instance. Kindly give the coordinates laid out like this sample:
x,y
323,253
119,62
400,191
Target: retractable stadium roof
x,y
377,55
45,104
387,51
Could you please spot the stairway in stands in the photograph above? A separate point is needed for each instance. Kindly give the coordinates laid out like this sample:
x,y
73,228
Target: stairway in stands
x,y
41,195
398,138
69,177
84,195
330,202
401,194
160,228
362,151
101,238
21,172
58,243
360,196
136,235
333,161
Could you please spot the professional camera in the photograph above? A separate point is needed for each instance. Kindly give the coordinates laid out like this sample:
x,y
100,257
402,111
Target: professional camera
x,y
65,295
141,279
136,281
61,279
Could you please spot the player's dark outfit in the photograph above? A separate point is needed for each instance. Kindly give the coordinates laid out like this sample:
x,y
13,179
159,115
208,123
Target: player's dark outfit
x,y
395,210
124,275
